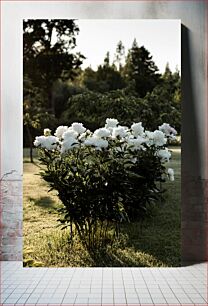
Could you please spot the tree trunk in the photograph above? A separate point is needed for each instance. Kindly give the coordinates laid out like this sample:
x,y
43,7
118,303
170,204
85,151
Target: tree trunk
x,y
30,142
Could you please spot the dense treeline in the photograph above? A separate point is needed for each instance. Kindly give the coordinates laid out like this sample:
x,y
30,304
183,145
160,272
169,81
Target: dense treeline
x,y
57,91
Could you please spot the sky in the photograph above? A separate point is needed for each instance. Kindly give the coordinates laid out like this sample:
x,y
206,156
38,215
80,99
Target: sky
x,y
161,37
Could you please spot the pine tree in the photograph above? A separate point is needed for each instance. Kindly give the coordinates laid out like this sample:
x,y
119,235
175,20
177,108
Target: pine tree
x,y
141,68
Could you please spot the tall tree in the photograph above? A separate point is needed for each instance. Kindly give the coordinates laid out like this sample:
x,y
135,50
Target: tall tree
x,y
120,55
47,45
141,68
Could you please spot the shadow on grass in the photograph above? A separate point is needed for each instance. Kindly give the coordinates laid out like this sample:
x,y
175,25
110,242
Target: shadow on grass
x,y
115,258
136,255
133,249
160,241
44,202
153,244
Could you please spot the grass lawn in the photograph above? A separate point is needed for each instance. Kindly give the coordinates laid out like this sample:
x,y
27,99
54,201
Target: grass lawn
x,y
155,244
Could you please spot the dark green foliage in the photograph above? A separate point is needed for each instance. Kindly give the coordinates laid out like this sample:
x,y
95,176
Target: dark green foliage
x,y
35,115
164,102
61,93
105,79
143,188
92,109
45,61
89,186
159,106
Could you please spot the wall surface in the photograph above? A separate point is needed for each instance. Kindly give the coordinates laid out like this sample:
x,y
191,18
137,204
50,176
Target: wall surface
x,y
194,225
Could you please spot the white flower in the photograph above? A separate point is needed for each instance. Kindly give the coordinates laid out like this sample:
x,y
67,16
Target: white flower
x,y
137,129
136,143
68,144
149,134
60,130
102,132
159,138
88,132
101,143
39,140
149,138
84,135
111,123
173,131
96,142
165,155
47,132
119,131
46,142
167,129
171,174
70,133
78,127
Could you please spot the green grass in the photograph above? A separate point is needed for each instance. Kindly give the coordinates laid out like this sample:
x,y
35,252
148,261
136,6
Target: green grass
x,y
156,243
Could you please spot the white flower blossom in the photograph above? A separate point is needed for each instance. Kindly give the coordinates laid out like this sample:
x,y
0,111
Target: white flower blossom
x,y
46,142
84,135
136,143
68,144
171,174
78,127
165,155
47,132
137,129
60,131
167,129
111,123
102,132
70,133
149,136
159,138
39,140
122,138
119,131
96,142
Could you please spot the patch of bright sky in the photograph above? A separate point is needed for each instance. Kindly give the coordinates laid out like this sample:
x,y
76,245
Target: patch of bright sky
x,y
161,37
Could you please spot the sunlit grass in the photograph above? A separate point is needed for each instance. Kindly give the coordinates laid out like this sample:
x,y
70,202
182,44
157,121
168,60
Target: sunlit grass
x,y
155,243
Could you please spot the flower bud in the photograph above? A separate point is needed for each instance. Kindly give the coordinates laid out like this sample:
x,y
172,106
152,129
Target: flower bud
x,y
47,132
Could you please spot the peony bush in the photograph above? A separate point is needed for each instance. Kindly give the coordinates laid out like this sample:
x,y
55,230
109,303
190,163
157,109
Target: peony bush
x,y
105,177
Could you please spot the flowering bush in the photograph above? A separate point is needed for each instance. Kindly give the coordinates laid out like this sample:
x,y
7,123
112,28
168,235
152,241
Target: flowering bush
x,y
105,177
